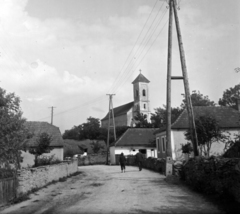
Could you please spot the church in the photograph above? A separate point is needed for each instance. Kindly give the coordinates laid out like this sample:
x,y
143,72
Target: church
x,y
124,114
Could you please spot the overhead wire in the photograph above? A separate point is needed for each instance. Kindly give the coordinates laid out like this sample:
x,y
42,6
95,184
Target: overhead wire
x,y
139,35
143,56
131,70
140,45
116,80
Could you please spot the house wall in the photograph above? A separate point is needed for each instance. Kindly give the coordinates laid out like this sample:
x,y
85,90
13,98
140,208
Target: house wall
x,y
28,159
178,138
159,145
150,152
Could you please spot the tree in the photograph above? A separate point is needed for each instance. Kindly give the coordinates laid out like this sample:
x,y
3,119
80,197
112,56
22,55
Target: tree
x,y
141,120
159,118
73,133
230,96
12,130
42,146
96,146
208,131
198,99
90,129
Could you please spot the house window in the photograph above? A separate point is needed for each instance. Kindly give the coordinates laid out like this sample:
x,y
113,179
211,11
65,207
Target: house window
x,y
144,92
158,144
144,106
163,139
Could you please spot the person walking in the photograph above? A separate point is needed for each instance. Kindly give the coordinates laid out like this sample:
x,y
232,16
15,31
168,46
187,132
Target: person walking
x,y
122,161
139,159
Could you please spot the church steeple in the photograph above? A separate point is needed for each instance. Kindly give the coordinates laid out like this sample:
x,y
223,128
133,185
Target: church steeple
x,y
141,95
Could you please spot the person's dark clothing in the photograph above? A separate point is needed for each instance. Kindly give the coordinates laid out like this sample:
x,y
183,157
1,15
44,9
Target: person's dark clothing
x,y
139,159
122,161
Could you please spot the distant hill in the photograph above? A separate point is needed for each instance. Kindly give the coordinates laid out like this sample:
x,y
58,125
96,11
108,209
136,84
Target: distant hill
x,y
71,147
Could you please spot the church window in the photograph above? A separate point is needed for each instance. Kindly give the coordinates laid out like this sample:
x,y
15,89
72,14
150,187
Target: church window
x,y
144,92
136,93
144,106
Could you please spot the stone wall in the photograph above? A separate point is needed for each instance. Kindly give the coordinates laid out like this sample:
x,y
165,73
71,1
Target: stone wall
x,y
33,178
92,159
213,176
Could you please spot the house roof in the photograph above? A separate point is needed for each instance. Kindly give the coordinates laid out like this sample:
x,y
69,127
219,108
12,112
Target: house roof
x,y
140,78
120,110
37,128
137,137
227,117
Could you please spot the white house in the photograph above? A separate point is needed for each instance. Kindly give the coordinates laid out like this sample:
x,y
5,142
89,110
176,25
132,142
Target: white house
x,y
132,140
56,145
228,118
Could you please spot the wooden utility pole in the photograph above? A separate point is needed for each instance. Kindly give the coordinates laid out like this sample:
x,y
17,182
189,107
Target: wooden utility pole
x,y
52,114
186,83
109,126
173,7
169,74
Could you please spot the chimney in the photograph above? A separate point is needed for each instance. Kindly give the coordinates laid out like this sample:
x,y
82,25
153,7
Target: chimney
x,y
238,104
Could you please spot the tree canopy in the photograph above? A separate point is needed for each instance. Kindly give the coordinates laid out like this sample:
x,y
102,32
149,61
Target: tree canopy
x,y
42,146
230,96
208,131
159,118
141,121
12,129
198,99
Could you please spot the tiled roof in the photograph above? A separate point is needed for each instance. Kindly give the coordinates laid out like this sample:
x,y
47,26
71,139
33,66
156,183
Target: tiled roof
x,y
226,116
140,78
120,110
39,127
137,137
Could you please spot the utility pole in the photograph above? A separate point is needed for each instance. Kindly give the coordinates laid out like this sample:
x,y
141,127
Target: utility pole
x,y
52,114
186,84
113,123
169,74
173,7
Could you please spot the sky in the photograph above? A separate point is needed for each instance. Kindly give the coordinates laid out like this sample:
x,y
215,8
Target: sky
x,y
70,54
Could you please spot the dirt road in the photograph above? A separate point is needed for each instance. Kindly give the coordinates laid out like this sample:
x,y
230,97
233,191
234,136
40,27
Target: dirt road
x,y
104,189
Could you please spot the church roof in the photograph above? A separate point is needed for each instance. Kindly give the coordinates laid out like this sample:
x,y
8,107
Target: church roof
x,y
140,78
140,137
227,117
120,110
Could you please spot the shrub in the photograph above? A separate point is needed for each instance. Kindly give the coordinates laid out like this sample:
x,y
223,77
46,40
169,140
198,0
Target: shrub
x,y
47,160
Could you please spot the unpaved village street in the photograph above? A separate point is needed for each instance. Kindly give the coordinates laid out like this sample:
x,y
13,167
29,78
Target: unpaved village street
x,y
104,189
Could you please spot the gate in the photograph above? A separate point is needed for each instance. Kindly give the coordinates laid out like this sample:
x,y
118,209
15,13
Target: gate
x,y
8,189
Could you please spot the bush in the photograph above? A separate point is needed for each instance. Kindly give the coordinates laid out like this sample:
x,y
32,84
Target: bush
x,y
213,175
47,160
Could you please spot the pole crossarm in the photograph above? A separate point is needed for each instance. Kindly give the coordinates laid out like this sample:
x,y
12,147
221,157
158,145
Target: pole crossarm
x,y
177,78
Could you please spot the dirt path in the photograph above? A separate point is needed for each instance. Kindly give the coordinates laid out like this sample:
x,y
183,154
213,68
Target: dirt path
x,y
104,189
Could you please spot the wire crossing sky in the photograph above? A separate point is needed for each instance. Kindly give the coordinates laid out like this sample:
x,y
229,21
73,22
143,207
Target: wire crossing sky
x,y
70,53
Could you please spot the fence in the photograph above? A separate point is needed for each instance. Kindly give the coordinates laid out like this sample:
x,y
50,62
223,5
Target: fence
x,y
7,190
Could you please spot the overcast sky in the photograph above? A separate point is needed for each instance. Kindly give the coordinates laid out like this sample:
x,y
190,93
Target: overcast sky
x,y
71,53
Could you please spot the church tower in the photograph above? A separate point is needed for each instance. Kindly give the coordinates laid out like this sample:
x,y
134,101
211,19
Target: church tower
x,y
141,96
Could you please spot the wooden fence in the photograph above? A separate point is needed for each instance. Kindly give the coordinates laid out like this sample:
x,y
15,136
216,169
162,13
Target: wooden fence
x,y
8,189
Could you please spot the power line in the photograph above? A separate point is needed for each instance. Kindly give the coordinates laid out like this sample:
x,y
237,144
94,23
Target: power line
x,y
148,39
135,43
